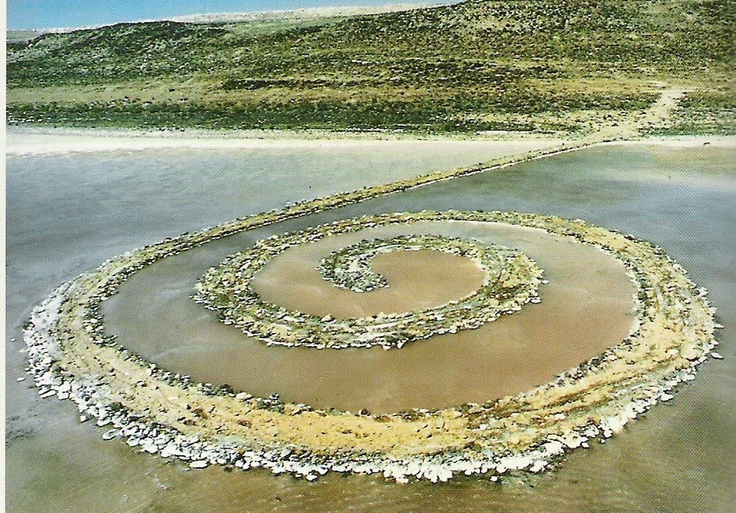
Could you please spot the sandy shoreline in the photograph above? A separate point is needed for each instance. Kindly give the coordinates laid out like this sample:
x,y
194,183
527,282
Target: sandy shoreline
x,y
37,141
683,141
41,141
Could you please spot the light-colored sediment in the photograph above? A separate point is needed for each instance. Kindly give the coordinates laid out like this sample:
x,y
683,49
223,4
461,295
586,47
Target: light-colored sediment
x,y
686,141
46,141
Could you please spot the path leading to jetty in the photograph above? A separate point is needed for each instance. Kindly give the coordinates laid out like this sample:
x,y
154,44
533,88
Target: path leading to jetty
x,y
656,115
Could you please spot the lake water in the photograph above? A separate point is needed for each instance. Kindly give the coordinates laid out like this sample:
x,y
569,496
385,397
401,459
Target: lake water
x,y
68,212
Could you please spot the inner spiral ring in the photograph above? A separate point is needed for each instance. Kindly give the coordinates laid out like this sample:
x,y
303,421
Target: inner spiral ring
x,y
511,280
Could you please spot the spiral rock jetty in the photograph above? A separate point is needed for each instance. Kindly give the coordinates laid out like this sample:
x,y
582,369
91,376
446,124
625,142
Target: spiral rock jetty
x,y
161,412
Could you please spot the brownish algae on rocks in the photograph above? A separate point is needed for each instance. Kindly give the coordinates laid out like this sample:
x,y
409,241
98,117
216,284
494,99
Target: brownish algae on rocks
x,y
166,413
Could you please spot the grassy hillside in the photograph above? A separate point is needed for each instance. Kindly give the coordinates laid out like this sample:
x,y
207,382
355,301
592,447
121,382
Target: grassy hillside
x,y
542,65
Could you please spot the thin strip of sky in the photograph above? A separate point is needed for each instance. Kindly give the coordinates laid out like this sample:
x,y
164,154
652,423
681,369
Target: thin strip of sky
x,y
45,14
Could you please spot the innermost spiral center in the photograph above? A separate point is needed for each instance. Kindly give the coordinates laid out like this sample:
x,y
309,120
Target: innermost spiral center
x,y
352,267
417,280
511,280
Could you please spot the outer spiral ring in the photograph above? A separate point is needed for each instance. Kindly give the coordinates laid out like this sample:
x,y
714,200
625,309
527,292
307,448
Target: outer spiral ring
x,y
159,411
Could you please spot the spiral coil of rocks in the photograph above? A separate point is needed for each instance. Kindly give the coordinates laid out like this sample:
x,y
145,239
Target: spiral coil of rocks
x,y
162,412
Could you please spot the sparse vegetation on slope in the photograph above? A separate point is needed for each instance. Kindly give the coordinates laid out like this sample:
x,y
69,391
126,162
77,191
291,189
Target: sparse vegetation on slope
x,y
539,65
